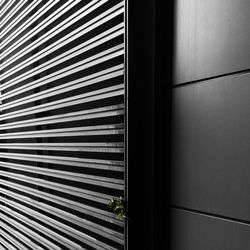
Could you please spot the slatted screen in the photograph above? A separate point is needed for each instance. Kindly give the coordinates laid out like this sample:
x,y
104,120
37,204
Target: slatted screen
x,y
61,123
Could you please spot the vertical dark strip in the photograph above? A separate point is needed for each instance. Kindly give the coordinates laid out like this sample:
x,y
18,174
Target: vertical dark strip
x,y
149,102
163,83
141,80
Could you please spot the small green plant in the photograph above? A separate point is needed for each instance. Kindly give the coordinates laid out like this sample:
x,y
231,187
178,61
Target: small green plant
x,y
118,207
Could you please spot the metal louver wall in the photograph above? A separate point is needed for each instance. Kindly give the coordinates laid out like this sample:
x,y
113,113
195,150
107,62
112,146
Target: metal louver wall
x,y
61,123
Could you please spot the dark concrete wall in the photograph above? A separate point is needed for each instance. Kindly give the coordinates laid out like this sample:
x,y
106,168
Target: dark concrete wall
x,y
211,126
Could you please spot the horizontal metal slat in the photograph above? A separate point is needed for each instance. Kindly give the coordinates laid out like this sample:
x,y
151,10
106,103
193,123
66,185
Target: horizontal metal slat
x,y
19,18
78,147
79,207
58,28
64,88
6,7
61,58
21,237
37,28
79,131
7,244
85,100
89,240
37,226
64,208
108,111
67,175
26,24
115,70
56,45
66,102
74,34
68,161
11,14
82,193
3,247
84,64
12,240
98,229
109,92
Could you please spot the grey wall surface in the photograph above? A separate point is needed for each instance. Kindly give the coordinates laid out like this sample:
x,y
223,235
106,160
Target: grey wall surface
x,y
212,38
199,232
211,126
211,163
